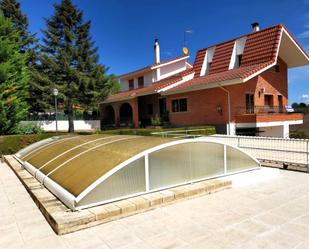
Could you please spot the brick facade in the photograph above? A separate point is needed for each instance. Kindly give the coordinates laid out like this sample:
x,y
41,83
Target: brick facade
x,y
210,106
204,105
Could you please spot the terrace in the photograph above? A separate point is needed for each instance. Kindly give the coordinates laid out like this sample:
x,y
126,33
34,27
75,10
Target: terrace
x,y
255,114
264,209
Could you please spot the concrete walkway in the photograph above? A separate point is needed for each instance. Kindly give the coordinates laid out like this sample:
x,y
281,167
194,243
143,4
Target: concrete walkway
x,y
265,209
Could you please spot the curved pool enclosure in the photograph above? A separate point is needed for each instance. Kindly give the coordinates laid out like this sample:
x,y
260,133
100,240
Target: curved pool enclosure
x,y
84,171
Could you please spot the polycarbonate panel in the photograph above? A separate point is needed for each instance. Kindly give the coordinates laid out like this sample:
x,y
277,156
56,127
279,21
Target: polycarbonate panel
x,y
75,151
238,160
127,181
45,154
169,166
185,162
206,160
77,174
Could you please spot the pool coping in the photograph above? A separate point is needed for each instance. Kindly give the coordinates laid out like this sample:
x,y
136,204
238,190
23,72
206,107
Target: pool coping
x,y
63,220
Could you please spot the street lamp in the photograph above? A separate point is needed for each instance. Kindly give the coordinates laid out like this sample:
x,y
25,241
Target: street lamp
x,y
55,92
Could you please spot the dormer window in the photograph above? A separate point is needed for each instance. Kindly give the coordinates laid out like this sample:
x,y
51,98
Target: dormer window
x,y
238,60
208,68
237,53
131,84
140,82
207,61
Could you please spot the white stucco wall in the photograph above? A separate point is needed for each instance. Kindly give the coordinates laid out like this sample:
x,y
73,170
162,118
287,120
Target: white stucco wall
x,y
63,125
148,79
168,70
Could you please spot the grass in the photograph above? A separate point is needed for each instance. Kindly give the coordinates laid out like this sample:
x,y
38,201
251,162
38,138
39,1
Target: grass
x,y
12,143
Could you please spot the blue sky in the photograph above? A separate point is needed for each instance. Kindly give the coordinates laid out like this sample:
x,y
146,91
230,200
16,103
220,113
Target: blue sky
x,y
124,30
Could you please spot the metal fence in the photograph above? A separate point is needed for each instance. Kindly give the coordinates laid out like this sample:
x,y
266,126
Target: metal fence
x,y
270,149
265,149
194,133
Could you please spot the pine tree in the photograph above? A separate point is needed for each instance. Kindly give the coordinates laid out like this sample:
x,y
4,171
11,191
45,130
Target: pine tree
x,y
70,61
13,78
11,9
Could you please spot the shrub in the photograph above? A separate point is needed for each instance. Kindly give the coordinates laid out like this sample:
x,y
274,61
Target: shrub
x,y
29,128
13,143
156,121
299,134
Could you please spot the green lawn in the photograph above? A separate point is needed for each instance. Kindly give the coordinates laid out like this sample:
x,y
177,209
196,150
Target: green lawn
x,y
12,143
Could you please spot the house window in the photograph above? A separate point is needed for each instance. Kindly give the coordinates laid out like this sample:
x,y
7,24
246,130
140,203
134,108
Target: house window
x,y
150,109
140,82
179,105
131,84
249,103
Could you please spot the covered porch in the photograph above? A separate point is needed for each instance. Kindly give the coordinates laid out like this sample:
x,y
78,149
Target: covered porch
x,y
134,112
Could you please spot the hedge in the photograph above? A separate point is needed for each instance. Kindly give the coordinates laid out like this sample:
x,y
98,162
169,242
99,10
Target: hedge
x,y
12,143
209,130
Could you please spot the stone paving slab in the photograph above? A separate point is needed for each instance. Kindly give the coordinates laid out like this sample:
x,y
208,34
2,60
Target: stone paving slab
x,y
266,208
64,221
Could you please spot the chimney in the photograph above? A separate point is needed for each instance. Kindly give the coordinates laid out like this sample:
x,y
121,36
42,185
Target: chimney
x,y
157,51
255,27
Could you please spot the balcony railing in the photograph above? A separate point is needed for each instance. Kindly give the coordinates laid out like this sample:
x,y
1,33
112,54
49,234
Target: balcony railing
x,y
261,110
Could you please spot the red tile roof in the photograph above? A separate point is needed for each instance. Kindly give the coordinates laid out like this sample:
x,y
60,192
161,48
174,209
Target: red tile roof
x,y
222,57
239,73
260,51
261,46
149,89
199,58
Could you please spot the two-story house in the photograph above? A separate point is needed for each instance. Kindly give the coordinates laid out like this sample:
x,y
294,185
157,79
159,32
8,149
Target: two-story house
x,y
240,85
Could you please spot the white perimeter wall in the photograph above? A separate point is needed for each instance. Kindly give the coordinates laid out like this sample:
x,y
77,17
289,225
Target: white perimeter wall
x,y
63,125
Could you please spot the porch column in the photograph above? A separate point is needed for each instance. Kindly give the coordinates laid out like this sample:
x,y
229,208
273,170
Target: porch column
x,y
117,115
134,105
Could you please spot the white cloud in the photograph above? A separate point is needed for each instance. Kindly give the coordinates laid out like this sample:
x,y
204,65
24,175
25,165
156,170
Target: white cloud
x,y
304,34
305,97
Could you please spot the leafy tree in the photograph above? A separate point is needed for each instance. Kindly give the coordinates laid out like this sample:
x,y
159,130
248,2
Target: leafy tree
x,y
300,107
69,60
13,78
36,100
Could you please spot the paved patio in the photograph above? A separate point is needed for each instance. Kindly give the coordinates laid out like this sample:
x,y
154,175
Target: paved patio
x,y
268,208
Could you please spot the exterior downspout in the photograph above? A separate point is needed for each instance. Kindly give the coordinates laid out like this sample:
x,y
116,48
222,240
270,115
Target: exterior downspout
x,y
229,108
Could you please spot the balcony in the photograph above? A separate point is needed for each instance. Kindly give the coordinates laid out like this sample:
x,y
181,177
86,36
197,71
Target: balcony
x,y
254,114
